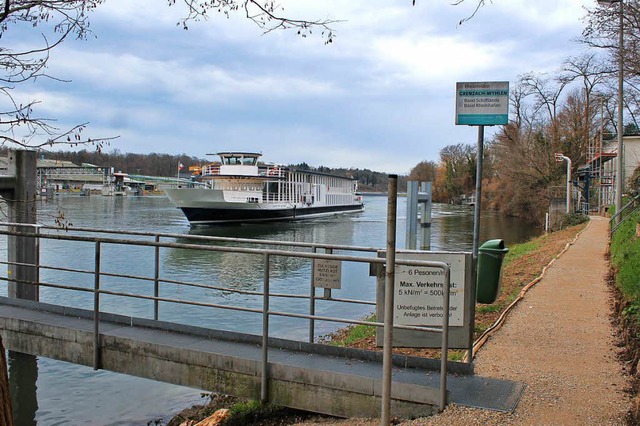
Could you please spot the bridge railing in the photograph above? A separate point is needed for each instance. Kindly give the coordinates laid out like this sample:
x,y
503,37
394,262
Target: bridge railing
x,y
102,245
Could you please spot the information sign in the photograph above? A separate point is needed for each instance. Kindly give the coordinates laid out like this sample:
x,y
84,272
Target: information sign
x,y
483,103
418,292
327,273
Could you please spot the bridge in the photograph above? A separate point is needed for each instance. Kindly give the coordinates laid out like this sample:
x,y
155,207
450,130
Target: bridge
x,y
299,374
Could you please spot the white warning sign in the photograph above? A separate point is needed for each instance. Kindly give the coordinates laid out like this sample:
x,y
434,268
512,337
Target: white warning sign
x,y
419,292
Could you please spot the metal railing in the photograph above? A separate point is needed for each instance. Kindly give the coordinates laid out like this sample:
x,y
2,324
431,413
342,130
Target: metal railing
x,y
626,211
268,250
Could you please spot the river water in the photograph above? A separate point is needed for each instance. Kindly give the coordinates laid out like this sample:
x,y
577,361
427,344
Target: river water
x,y
68,394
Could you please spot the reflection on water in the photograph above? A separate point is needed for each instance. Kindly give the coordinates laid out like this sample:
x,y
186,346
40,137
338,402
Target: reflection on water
x,y
92,397
23,375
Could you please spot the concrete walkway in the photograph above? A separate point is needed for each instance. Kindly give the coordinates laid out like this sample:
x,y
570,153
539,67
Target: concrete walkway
x,y
559,342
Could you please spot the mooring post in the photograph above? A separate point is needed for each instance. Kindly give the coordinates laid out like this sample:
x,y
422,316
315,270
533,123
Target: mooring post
x,y
412,215
23,250
390,266
425,218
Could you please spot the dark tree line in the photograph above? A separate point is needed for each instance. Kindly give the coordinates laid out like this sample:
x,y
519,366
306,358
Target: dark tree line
x,y
156,164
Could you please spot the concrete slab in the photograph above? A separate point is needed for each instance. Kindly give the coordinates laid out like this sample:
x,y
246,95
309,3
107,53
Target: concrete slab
x,y
194,360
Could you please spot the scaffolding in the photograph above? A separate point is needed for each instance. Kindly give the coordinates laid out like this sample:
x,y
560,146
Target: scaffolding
x,y
596,179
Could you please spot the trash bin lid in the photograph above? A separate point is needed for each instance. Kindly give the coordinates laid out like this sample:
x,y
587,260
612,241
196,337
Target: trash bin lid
x,y
493,245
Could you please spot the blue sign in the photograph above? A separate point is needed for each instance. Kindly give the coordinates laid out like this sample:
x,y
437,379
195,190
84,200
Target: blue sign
x,y
482,103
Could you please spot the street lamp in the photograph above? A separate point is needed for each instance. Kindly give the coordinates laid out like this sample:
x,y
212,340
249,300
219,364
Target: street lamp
x,y
619,169
560,157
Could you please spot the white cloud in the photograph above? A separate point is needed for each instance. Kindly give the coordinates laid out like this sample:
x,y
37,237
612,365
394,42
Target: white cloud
x,y
380,97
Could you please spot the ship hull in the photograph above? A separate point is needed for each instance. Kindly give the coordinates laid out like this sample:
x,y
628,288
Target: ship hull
x,y
208,206
204,216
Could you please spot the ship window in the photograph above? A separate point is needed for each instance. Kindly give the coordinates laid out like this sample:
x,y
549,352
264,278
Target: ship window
x,y
232,161
249,161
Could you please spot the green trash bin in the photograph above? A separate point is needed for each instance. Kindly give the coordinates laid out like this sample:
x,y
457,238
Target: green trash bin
x,y
490,255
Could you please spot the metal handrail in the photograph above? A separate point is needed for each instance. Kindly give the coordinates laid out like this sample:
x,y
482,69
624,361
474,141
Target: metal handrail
x,y
266,253
615,224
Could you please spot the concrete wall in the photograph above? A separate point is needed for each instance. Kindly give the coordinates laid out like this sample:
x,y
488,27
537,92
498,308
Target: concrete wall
x,y
344,388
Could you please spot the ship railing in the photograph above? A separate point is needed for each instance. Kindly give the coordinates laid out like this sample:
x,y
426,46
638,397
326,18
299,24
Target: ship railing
x,y
274,171
211,169
99,280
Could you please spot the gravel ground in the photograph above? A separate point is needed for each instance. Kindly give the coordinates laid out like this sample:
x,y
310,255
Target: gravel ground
x,y
559,342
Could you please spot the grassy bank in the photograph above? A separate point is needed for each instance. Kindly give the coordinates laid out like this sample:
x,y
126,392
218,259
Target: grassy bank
x,y
625,259
625,265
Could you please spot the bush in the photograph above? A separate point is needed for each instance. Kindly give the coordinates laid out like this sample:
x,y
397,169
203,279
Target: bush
x,y
573,219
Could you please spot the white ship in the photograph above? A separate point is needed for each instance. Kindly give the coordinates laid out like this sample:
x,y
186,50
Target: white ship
x,y
240,190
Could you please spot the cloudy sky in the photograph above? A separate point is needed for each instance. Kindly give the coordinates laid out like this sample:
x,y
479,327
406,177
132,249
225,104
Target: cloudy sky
x,y
381,96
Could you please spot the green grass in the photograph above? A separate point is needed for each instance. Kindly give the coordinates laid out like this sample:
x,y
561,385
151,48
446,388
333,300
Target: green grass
x,y
355,333
487,309
625,258
519,250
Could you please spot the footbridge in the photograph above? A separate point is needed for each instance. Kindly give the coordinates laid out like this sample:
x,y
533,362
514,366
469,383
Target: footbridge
x,y
91,309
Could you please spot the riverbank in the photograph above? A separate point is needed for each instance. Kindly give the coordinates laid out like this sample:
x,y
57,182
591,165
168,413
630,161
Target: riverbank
x,y
566,358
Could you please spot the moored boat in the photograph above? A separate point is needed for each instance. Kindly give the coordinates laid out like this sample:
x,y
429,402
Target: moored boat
x,y
238,189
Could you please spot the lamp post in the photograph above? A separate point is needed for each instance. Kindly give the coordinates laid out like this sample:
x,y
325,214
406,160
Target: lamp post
x,y
560,157
619,162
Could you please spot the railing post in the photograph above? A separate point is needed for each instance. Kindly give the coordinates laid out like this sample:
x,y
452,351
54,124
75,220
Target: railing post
x,y
96,310
312,304
387,351
264,388
326,295
37,243
445,338
156,281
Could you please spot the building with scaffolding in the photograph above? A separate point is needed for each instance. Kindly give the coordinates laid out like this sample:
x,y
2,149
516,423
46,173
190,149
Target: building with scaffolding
x,y
595,180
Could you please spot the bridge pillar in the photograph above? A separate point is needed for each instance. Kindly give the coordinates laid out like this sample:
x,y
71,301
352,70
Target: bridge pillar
x,y
19,191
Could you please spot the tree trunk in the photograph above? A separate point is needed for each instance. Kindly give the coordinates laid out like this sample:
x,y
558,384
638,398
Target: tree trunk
x,y
6,413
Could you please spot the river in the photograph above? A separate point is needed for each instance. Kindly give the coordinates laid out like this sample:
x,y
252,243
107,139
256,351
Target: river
x,y
69,394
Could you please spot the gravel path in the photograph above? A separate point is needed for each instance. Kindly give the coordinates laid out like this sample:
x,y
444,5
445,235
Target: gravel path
x,y
560,343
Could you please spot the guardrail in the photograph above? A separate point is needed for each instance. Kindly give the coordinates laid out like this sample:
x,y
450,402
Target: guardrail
x,y
268,250
620,216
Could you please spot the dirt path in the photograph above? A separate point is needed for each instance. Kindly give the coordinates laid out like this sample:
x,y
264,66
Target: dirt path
x,y
559,341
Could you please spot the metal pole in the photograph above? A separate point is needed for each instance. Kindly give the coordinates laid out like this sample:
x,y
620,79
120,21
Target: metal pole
x,y
327,291
264,387
478,204
619,162
96,310
156,281
445,339
312,304
387,355
476,239
412,215
568,184
600,194
425,219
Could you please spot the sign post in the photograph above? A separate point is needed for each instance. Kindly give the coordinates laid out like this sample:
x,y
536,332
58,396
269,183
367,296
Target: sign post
x,y
480,104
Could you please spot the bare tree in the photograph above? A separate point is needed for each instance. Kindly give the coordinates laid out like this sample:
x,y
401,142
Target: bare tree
x,y
20,124
265,14
591,72
59,19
